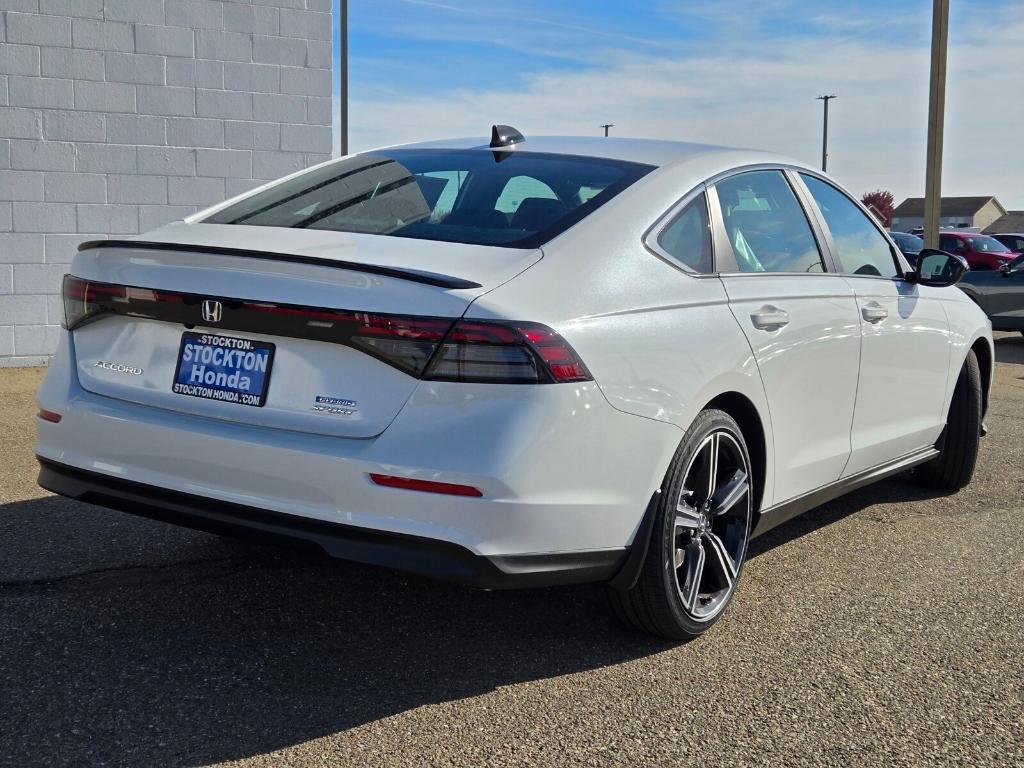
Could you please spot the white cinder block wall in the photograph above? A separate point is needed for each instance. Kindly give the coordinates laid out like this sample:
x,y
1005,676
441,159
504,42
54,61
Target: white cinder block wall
x,y
117,116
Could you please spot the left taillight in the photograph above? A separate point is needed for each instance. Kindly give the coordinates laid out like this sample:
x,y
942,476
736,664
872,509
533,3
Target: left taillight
x,y
84,299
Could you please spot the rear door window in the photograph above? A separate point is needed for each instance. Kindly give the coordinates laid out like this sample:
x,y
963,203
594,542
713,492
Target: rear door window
x,y
517,199
765,224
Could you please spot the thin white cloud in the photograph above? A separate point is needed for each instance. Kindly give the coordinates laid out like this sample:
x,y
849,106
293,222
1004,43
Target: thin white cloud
x,y
507,18
761,94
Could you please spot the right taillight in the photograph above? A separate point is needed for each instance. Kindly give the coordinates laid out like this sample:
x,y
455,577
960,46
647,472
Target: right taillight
x,y
506,353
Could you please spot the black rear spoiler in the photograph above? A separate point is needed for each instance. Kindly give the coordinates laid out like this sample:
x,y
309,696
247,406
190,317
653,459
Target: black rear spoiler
x,y
413,275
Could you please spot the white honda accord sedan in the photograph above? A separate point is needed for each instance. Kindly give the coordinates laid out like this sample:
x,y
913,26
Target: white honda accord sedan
x,y
520,362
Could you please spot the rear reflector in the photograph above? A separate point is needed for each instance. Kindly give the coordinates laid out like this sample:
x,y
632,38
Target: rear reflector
x,y
50,416
428,486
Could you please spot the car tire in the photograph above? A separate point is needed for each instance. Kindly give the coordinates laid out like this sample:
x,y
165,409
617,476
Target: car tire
x,y
953,468
699,536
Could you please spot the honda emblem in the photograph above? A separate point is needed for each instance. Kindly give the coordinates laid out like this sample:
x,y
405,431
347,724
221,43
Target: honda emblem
x,y
212,310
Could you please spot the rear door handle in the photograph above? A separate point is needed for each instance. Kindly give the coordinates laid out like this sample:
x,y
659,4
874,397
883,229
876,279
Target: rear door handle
x,y
769,318
874,312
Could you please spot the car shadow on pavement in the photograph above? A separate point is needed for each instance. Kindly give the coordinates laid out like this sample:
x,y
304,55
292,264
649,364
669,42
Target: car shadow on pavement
x,y
900,489
132,642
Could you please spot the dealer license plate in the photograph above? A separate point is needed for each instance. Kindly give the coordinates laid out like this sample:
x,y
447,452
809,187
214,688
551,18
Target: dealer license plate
x,y
225,368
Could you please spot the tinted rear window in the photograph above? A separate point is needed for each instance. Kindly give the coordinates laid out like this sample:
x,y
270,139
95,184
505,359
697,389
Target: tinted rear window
x,y
985,244
515,199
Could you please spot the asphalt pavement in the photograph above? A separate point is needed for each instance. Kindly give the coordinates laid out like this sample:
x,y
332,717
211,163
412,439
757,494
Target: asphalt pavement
x,y
885,628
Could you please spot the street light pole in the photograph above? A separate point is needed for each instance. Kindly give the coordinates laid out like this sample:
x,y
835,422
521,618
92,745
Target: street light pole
x,y
343,77
936,116
824,133
606,126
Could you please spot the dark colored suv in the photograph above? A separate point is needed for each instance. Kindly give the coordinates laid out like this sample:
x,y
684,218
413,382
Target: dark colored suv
x,y
981,251
1012,240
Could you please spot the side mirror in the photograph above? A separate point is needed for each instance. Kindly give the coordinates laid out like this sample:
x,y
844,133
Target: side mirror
x,y
938,268
1014,267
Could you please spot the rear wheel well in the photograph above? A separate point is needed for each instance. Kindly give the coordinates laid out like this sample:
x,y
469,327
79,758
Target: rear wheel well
x,y
746,415
983,352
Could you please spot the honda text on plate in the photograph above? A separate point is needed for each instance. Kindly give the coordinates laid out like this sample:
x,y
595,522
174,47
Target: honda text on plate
x,y
515,363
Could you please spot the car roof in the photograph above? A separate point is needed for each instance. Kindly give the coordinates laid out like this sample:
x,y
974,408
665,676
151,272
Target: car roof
x,y
655,152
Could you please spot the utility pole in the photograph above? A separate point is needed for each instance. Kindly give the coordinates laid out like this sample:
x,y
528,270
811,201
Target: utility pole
x,y
342,11
936,116
606,126
824,133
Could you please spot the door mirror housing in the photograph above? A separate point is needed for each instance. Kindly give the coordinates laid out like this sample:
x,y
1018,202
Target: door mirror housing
x,y
937,268
1015,267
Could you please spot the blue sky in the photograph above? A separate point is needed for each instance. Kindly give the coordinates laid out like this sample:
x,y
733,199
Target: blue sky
x,y
743,72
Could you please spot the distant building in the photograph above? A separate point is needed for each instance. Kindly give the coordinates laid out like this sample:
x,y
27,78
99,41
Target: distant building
x,y
1011,221
958,212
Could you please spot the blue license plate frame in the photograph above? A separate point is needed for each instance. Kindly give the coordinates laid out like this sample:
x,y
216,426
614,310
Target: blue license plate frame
x,y
239,375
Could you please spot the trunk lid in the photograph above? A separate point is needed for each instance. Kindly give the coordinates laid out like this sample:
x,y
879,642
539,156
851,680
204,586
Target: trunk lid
x,y
298,291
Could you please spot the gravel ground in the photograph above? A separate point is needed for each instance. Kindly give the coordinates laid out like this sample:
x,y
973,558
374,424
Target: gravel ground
x,y
885,628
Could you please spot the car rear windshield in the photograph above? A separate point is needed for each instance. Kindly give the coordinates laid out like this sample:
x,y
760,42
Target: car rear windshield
x,y
512,198
908,243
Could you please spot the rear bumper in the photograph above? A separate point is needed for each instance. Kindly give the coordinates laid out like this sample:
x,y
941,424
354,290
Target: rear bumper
x,y
428,557
560,470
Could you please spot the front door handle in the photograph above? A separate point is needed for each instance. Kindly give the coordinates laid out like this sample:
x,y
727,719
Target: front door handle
x,y
874,312
769,318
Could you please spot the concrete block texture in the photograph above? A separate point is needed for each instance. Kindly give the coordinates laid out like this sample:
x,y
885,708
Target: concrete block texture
x,y
306,138
75,187
61,125
106,158
104,97
135,68
147,11
21,185
21,123
87,9
136,129
305,24
33,29
71,62
45,217
19,59
195,131
136,188
195,191
51,92
119,116
42,155
102,35
115,219
167,41
224,163
196,14
233,105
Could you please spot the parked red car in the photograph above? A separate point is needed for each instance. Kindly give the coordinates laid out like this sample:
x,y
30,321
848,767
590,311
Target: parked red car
x,y
981,251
